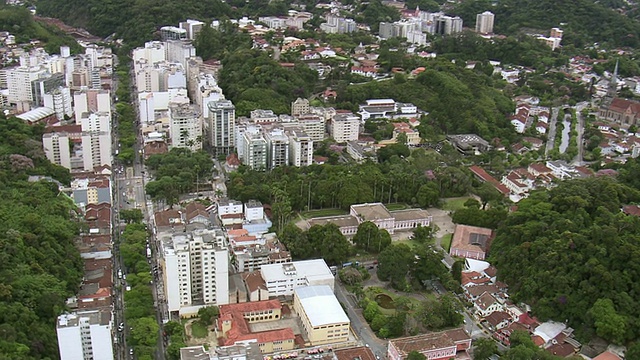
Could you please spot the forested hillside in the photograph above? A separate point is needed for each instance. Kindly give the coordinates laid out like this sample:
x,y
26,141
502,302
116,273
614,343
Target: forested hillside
x,y
19,22
39,265
583,21
573,255
459,100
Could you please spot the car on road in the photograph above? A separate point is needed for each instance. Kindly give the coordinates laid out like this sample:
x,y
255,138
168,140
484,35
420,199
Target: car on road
x,y
121,327
131,351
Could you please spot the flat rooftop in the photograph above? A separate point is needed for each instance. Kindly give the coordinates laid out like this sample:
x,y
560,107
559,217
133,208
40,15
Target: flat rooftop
x,y
321,305
410,214
371,212
340,221
311,269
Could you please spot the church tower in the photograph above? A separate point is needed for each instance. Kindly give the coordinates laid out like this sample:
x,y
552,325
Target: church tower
x,y
612,90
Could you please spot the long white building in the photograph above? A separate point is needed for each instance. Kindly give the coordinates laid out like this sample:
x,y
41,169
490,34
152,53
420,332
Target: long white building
x,y
85,335
282,279
195,270
345,127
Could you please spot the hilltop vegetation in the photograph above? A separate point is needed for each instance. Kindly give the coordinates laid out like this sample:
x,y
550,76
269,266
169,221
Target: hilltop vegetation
x,y
39,265
573,255
20,23
583,21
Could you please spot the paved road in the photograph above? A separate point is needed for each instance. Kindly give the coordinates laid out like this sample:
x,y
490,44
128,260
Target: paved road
x,y
579,159
552,131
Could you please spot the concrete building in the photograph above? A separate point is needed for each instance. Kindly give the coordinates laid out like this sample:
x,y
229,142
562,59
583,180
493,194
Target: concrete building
x,y
19,79
323,319
471,242
59,100
300,107
90,101
345,127
172,33
282,279
313,125
484,23
96,140
220,126
278,148
448,25
152,52
442,345
300,148
195,269
179,51
255,149
58,143
85,335
192,27
185,126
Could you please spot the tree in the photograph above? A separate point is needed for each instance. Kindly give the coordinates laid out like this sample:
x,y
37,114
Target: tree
x,y
131,215
428,195
609,325
144,331
414,355
370,238
394,264
208,314
484,348
424,234
487,192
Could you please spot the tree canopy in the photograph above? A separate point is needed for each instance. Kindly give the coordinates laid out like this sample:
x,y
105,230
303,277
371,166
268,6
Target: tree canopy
x,y
39,264
571,254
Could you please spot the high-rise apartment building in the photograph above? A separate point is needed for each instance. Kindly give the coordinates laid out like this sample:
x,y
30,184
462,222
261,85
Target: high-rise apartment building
x,y
300,148
19,79
447,25
59,100
345,127
85,335
255,149
278,148
96,140
185,127
90,101
484,23
220,126
313,125
196,270
57,141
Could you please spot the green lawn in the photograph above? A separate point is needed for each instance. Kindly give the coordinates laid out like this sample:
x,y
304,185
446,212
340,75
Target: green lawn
x,y
413,244
455,203
446,242
198,330
396,206
322,212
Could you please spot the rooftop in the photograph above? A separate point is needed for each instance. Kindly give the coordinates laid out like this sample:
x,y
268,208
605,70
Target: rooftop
x,y
422,342
311,269
362,353
340,221
471,238
371,212
321,305
96,317
410,214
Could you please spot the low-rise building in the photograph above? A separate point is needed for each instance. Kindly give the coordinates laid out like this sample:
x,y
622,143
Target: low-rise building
x,y
323,319
282,279
471,242
442,345
233,325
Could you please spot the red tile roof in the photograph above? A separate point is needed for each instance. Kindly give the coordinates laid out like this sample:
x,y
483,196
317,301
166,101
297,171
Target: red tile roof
x,y
240,330
484,176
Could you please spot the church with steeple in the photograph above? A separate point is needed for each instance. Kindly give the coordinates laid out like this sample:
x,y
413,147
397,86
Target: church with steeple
x,y
620,111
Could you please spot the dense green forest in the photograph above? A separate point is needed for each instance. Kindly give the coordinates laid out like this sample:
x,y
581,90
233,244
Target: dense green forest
x,y
20,23
459,100
39,264
573,255
583,21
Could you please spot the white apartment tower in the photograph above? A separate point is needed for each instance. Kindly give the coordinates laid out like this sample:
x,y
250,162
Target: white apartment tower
x,y
185,127
220,126
96,140
59,100
85,335
278,148
19,79
313,125
484,23
196,269
57,149
90,101
255,149
345,127
300,148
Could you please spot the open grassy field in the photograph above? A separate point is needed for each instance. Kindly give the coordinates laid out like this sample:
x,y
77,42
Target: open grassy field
x,y
198,330
454,204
